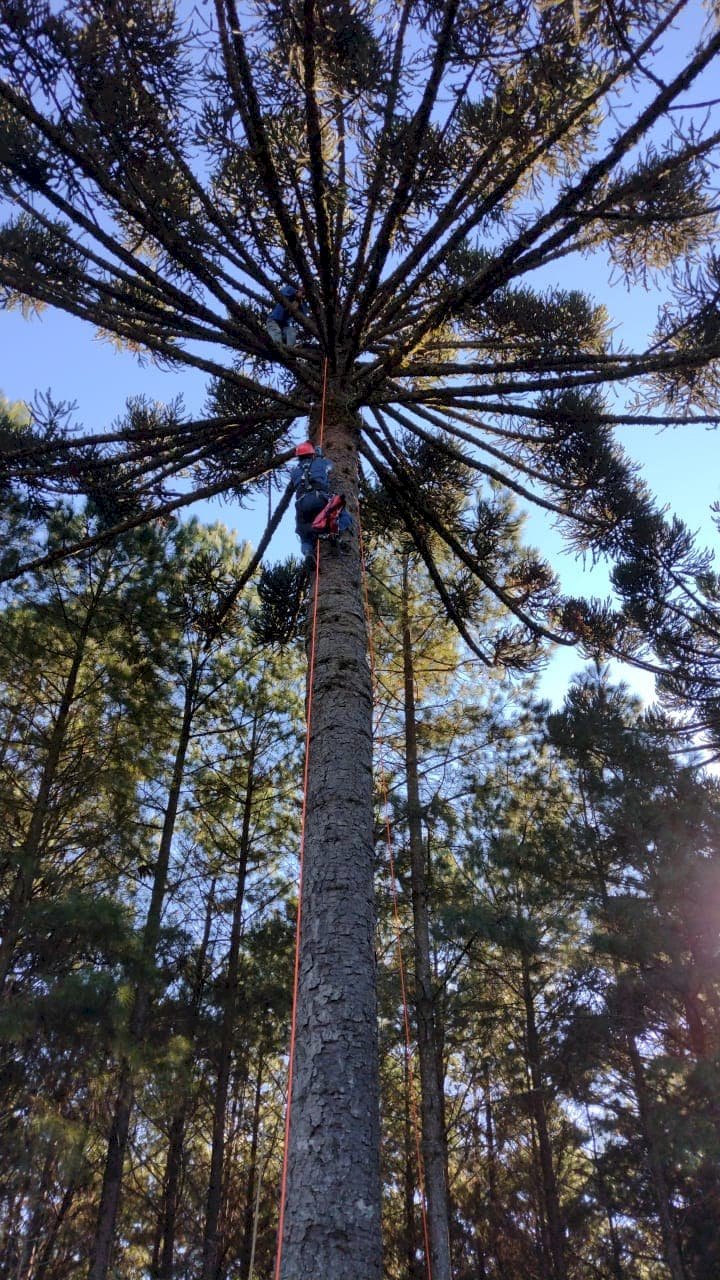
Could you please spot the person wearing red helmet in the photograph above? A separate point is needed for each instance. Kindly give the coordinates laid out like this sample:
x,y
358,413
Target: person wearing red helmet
x,y
311,478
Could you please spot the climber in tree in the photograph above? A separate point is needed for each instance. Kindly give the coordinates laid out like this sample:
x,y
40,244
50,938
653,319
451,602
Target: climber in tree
x,y
281,322
311,478
318,513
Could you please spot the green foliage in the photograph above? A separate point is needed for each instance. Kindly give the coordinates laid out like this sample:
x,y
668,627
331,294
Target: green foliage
x,y
574,888
282,593
416,167
42,253
346,47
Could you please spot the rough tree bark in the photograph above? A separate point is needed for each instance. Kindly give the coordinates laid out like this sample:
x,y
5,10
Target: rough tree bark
x,y
117,1142
431,1101
332,1213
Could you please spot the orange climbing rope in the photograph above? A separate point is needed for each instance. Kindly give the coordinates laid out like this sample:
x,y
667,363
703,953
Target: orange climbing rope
x,y
385,799
298,926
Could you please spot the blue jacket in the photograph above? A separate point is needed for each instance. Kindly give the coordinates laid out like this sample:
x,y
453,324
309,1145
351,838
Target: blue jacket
x,y
281,313
313,474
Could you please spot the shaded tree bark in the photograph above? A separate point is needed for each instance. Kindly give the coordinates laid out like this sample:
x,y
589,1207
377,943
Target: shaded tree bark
x,y
697,1034
332,1213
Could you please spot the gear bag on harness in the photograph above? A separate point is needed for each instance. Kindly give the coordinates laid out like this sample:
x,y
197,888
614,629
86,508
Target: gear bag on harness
x,y
333,519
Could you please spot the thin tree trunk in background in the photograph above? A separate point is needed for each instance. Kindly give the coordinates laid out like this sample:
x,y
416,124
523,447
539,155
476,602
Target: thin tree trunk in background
x,y
551,1199
332,1214
230,1216
30,852
260,1178
648,1131
117,1143
252,1174
606,1201
433,1136
45,1254
493,1215
410,1180
33,1229
542,1234
211,1237
173,1164
655,1164
11,1231
697,1034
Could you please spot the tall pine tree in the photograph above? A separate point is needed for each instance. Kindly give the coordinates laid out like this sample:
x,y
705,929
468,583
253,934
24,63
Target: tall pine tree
x,y
412,167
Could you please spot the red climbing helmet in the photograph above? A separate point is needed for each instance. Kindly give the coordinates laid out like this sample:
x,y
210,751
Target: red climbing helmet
x,y
305,450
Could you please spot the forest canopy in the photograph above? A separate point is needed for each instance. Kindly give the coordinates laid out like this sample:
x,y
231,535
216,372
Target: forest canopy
x,y
428,173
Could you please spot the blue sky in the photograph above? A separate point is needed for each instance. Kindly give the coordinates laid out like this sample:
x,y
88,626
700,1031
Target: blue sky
x,y
61,354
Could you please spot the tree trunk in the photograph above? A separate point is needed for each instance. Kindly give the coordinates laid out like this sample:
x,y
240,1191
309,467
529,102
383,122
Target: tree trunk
x,y
648,1131
551,1200
30,851
45,1254
542,1233
431,1102
494,1250
10,1242
332,1208
211,1237
229,1221
117,1144
606,1201
173,1164
697,1034
410,1181
252,1175
262,1170
35,1215
655,1164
